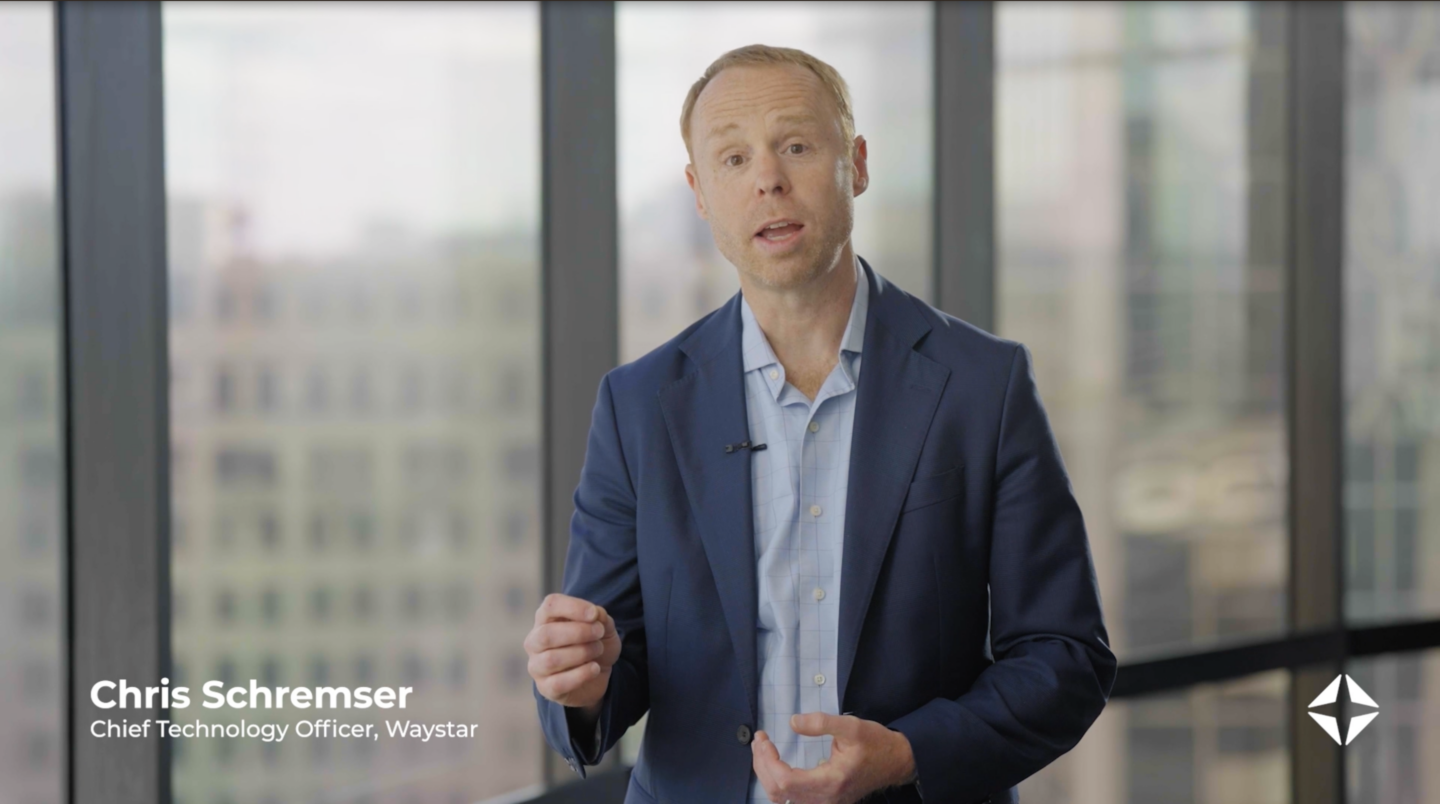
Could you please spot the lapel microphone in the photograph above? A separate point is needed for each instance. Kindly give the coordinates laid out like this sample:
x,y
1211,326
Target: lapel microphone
x,y
729,448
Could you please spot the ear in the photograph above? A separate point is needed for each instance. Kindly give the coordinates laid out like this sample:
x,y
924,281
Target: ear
x,y
860,157
694,182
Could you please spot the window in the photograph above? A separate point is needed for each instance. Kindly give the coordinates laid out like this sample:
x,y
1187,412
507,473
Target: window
x,y
331,170
225,607
1391,761
1140,258
1392,312
320,604
241,466
364,670
32,469
270,606
268,526
267,390
1209,744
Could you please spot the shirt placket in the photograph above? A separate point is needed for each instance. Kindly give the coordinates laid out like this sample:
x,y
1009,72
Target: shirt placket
x,y
816,671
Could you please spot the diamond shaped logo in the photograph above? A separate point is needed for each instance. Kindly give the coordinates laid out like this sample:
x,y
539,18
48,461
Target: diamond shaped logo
x,y
1330,695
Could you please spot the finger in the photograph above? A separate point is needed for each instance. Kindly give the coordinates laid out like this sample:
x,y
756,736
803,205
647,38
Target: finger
x,y
558,660
766,759
820,783
561,634
561,684
816,724
556,606
782,776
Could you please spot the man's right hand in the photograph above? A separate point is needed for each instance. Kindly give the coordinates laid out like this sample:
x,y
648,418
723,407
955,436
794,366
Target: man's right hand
x,y
572,648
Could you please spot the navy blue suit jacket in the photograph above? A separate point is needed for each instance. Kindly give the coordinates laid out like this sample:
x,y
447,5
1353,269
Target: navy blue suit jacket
x,y
970,617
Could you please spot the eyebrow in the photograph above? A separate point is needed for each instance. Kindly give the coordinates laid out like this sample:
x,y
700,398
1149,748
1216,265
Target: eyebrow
x,y
796,118
718,130
800,119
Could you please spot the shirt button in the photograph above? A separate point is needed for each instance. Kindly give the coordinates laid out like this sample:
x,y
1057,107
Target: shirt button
x,y
814,427
814,510
742,734
819,593
819,679
774,374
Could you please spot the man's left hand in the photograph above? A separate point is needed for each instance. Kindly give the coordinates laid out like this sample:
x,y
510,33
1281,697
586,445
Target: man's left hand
x,y
865,756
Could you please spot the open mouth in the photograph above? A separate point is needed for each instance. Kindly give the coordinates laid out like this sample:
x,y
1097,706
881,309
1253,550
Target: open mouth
x,y
779,231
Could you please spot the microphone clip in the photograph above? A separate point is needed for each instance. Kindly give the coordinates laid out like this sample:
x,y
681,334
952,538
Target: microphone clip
x,y
729,448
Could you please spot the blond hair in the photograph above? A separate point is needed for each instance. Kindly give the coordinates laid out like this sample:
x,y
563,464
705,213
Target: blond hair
x,y
762,55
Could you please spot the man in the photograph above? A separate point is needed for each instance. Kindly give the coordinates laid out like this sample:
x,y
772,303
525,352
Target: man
x,y
800,519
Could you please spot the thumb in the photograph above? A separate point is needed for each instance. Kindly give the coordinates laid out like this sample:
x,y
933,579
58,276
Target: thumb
x,y
611,629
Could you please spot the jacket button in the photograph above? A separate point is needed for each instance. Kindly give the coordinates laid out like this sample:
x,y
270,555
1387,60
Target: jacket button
x,y
742,734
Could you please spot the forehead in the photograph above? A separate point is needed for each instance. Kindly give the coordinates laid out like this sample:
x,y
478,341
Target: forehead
x,y
738,95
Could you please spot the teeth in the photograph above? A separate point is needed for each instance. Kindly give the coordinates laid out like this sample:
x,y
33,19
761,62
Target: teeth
x,y
778,225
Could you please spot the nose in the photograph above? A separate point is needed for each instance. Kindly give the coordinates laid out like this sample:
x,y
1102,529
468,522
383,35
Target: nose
x,y
770,178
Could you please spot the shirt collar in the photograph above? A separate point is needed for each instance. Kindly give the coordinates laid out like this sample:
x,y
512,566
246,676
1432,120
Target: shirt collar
x,y
756,347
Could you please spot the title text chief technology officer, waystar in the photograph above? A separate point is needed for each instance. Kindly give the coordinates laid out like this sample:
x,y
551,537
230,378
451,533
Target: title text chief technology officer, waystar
x,y
799,519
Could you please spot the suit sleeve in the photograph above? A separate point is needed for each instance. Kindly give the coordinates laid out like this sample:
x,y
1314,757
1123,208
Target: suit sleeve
x,y
600,566
1053,666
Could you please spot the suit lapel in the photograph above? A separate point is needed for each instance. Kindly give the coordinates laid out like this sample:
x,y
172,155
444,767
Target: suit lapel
x,y
897,394
704,411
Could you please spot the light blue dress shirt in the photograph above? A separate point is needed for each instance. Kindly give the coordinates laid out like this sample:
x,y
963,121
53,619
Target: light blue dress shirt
x,y
799,488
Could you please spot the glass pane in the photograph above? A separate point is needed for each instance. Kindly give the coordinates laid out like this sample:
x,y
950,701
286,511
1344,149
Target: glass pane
x,y
32,455
1141,255
1386,764
670,271
354,257
1392,311
1212,744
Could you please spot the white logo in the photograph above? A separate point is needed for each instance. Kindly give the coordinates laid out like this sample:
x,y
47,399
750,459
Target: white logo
x,y
1332,694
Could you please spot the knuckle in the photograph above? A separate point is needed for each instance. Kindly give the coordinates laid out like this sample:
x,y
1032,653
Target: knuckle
x,y
556,686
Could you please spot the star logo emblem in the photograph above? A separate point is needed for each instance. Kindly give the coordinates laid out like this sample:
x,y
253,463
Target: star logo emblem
x,y
1357,696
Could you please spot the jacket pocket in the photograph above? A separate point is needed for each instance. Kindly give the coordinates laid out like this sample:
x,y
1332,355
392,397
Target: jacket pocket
x,y
934,489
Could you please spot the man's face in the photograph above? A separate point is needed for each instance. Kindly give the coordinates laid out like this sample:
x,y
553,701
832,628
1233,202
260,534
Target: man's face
x,y
768,149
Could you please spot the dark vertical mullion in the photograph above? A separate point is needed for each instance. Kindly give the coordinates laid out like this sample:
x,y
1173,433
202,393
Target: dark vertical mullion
x,y
112,201
965,161
1315,178
580,263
